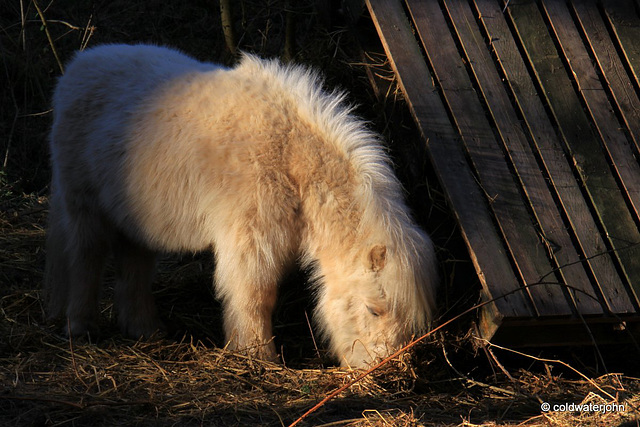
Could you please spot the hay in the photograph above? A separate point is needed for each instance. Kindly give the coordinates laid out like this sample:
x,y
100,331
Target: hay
x,y
168,383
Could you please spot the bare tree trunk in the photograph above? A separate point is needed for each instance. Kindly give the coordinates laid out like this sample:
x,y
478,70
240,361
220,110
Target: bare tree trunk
x,y
227,25
290,32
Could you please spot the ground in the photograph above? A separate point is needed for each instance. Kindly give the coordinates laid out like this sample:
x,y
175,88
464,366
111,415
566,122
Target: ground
x,y
188,378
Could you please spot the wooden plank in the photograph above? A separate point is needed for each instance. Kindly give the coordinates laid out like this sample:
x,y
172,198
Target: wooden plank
x,y
553,231
488,159
616,146
547,145
604,51
623,19
580,142
569,332
467,201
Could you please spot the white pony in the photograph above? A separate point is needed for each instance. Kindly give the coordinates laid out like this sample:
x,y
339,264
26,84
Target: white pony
x,y
154,151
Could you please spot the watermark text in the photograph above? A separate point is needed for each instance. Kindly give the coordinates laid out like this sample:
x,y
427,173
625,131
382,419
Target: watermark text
x,y
583,407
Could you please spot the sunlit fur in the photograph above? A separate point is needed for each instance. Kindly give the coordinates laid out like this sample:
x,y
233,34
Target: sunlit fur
x,y
154,151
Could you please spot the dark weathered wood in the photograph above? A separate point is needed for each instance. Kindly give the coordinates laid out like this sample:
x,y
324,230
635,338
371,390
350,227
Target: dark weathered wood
x,y
553,160
604,51
618,148
616,145
623,20
466,199
553,231
488,159
582,144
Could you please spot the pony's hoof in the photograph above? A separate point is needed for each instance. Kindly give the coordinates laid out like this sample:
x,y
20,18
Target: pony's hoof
x,y
149,330
81,331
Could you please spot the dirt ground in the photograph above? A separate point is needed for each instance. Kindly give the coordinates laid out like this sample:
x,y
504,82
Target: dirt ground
x,y
188,378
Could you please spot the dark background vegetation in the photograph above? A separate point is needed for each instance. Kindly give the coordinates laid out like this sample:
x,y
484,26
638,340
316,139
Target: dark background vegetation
x,y
187,378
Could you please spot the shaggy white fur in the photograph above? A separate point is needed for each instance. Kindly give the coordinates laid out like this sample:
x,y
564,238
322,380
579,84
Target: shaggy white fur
x,y
154,151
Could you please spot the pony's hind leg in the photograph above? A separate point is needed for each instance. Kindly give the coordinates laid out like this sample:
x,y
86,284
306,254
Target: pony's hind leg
x,y
87,249
56,278
135,304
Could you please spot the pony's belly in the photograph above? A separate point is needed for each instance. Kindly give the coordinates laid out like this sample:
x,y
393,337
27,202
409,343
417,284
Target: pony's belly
x,y
173,225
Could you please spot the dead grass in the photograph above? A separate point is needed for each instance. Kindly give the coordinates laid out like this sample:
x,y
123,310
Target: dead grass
x,y
188,378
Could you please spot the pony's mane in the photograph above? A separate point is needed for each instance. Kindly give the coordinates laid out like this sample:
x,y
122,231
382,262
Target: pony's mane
x,y
379,192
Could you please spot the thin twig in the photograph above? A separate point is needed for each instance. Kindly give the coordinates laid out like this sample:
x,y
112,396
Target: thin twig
x,y
46,31
313,338
86,35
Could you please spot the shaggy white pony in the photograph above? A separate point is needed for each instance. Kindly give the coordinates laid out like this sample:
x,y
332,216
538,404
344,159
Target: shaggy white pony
x,y
154,151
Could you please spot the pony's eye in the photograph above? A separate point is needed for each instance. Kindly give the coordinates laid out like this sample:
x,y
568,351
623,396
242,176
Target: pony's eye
x,y
372,311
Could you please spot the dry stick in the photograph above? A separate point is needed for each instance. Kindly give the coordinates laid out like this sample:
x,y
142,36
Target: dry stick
x,y
497,362
312,336
86,35
23,20
46,31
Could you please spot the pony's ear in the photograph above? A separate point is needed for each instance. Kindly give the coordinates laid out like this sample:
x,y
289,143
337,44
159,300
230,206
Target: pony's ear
x,y
377,257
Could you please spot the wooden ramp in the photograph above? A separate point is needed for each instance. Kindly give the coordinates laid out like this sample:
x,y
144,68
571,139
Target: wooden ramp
x,y
532,119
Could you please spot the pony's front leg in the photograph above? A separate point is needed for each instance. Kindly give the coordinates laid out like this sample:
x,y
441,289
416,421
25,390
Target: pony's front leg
x,y
248,298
